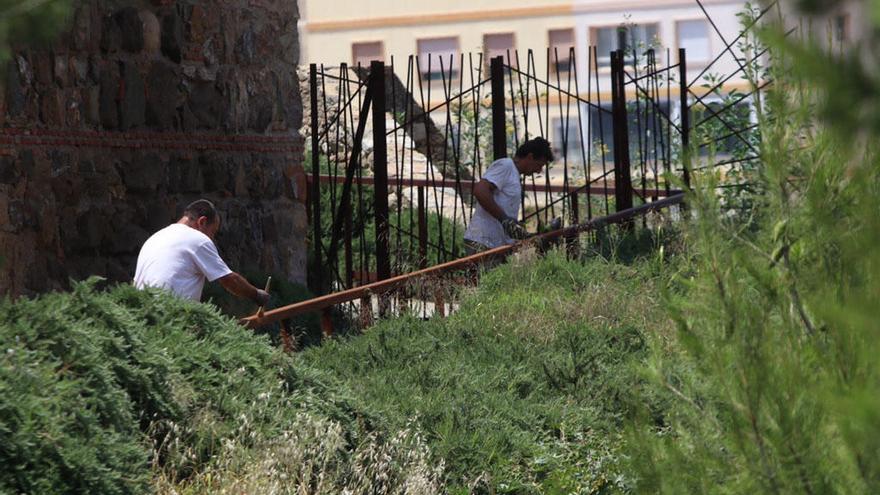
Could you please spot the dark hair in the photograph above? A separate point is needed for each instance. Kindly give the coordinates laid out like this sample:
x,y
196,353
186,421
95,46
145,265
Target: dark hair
x,y
538,147
201,208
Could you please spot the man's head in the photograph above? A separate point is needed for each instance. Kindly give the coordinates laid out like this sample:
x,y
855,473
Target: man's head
x,y
533,155
202,216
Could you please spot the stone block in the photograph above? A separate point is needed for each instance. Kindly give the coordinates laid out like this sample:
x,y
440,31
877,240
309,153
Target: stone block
x,y
216,172
132,29
21,216
152,32
246,47
111,34
144,173
205,102
91,98
74,106
79,70
125,238
172,36
133,104
41,62
107,98
185,176
16,91
52,108
260,109
163,96
92,226
60,69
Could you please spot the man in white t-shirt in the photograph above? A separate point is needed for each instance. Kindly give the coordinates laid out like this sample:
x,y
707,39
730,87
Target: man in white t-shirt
x,y
182,256
499,194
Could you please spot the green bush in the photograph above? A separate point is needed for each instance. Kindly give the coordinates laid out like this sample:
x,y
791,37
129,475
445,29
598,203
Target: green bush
x,y
525,387
772,380
108,391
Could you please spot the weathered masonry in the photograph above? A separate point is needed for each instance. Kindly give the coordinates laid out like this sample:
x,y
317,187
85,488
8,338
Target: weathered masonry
x,y
133,113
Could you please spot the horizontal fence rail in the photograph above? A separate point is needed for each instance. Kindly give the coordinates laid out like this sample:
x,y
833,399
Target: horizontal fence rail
x,y
323,303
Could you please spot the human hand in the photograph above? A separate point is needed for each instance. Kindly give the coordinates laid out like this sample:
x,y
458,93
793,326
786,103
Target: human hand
x,y
262,297
513,229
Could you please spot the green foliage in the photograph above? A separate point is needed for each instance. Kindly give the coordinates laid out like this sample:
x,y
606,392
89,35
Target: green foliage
x,y
523,389
772,377
104,391
30,22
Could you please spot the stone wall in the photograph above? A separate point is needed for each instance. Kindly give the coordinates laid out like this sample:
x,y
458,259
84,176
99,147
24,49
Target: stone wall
x,y
141,108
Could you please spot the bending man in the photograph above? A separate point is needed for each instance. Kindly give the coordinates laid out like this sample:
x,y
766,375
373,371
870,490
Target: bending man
x,y
182,256
499,194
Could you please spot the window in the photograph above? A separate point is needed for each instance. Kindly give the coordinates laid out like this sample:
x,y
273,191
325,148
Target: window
x,y
625,37
497,45
561,43
435,57
693,36
364,53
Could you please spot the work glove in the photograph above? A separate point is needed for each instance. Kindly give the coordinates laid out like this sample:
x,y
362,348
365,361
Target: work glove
x,y
262,297
513,229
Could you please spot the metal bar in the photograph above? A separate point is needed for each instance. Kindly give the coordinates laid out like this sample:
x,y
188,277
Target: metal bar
x,y
499,133
330,300
316,187
728,46
380,169
349,176
622,174
555,188
685,117
423,229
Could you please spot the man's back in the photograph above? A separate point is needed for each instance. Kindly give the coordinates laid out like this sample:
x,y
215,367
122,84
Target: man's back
x,y
179,258
484,228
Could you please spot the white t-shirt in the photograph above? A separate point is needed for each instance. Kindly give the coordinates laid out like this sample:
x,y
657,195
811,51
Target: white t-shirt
x,y
179,258
484,228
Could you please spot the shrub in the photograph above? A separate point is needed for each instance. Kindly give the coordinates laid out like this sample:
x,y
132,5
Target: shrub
x,y
105,390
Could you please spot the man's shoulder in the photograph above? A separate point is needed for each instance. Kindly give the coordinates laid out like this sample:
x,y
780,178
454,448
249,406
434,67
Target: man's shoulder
x,y
177,233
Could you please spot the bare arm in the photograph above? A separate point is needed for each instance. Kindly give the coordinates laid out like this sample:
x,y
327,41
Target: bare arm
x,y
483,191
238,286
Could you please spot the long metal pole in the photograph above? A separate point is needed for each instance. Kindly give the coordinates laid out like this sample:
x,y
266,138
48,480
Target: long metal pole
x,y
380,170
685,117
316,186
499,124
622,174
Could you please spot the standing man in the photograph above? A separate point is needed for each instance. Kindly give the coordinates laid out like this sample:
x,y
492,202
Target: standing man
x,y
182,256
499,193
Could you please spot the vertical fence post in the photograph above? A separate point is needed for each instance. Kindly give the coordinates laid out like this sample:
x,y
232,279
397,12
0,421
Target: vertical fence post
x,y
380,175
499,123
423,229
685,117
380,170
347,229
623,195
315,193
